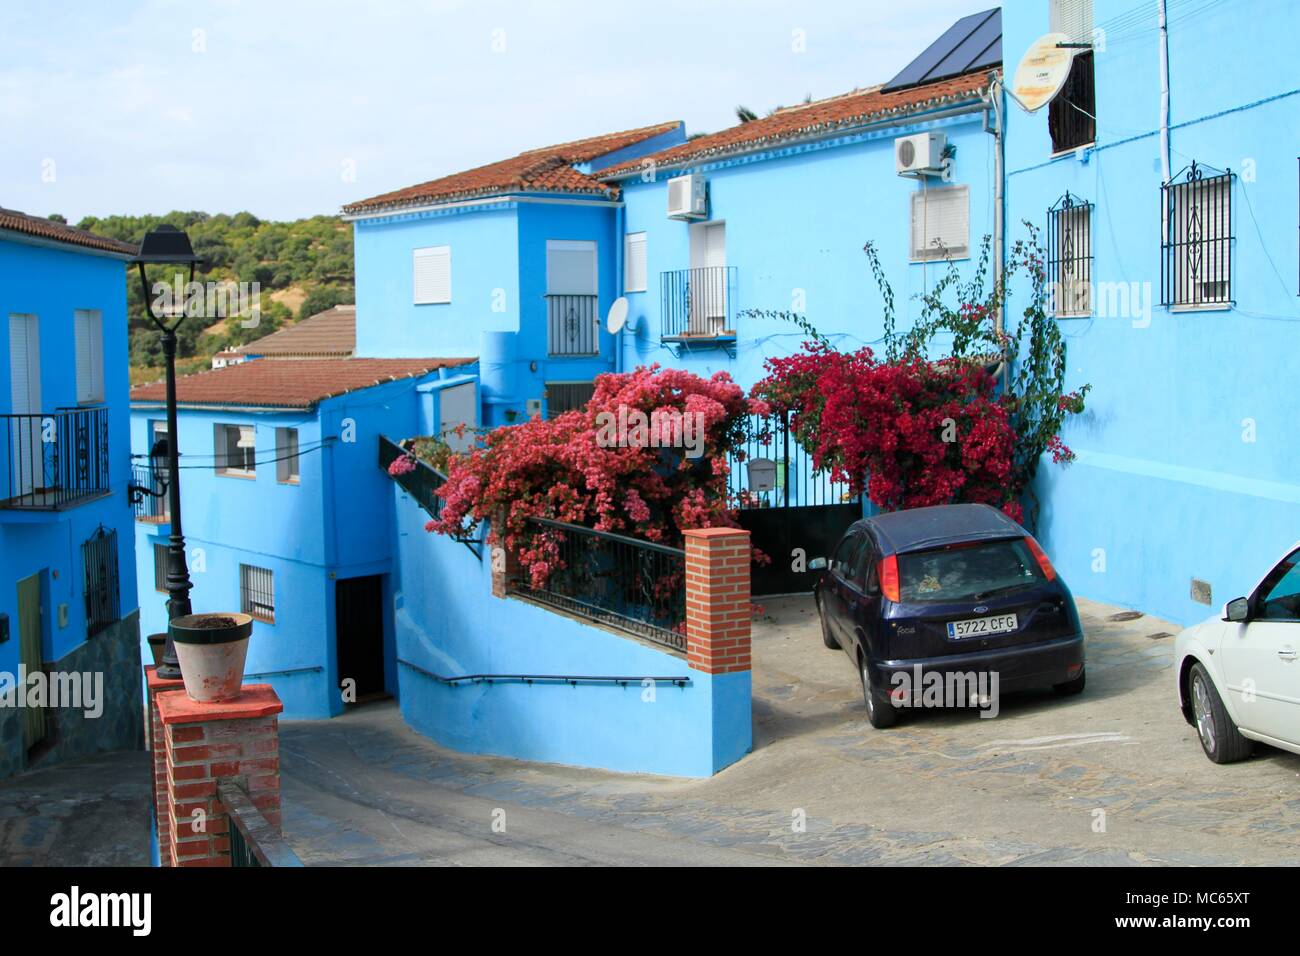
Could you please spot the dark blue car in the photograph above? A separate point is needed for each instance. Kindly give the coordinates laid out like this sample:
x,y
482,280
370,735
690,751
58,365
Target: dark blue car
x,y
956,597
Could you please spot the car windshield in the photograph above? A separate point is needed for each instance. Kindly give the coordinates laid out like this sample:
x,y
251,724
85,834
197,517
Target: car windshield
x,y
967,571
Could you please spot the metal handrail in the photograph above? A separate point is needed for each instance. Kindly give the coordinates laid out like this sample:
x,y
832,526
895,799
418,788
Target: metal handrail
x,y
539,678
611,536
253,840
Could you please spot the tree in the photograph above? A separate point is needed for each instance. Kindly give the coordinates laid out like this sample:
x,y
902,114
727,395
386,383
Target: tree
x,y
324,297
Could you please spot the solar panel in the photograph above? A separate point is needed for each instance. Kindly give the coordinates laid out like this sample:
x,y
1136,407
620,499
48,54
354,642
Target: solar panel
x,y
972,43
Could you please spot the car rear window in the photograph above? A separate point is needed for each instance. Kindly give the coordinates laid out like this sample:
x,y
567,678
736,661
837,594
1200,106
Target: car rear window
x,y
967,572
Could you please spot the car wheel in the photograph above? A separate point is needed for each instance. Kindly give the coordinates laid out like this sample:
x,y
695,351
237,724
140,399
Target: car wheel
x,y
1072,687
880,712
1220,738
827,638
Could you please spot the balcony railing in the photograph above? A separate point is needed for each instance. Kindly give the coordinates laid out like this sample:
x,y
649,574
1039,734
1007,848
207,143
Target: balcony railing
x,y
53,460
628,583
153,507
572,325
698,304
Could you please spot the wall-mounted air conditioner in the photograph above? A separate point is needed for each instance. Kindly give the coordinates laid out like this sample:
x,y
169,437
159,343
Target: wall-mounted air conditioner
x,y
920,154
687,198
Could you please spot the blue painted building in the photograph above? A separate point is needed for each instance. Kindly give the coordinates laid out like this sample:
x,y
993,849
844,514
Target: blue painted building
x,y
67,549
281,495
1176,257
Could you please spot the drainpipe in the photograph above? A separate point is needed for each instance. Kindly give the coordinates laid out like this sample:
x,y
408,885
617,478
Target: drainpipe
x,y
1164,106
620,223
997,104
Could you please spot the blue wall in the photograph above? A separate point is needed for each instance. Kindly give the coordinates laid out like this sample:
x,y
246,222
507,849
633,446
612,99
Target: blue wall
x,y
447,622
797,220
1165,488
52,283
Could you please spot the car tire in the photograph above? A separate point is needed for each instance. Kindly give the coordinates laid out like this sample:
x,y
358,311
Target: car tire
x,y
1219,736
880,712
827,638
1072,687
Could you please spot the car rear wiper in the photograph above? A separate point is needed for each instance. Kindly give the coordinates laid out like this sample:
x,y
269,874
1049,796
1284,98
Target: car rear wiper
x,y
1002,590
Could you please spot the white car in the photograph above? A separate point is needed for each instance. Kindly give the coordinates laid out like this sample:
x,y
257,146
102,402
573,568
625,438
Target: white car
x,y
1238,676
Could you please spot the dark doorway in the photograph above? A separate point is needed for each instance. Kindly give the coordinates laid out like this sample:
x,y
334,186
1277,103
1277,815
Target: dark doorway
x,y
359,635
792,537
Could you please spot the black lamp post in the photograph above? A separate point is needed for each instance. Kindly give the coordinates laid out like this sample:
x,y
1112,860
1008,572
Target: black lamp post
x,y
167,244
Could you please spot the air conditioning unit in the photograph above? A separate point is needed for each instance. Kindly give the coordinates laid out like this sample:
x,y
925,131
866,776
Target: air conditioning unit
x,y
920,154
687,198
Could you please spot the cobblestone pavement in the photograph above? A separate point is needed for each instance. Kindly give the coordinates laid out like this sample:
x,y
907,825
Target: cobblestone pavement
x,y
1030,787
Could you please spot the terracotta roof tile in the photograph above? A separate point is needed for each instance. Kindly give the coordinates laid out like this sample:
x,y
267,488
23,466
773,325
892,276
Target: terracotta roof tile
x,y
298,383
837,113
40,228
548,169
329,333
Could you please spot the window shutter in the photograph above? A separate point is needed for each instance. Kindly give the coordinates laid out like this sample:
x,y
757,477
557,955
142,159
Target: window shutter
x,y
570,267
433,275
1073,18
634,263
941,223
89,334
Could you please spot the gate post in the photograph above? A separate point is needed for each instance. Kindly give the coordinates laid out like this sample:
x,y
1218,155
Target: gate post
x,y
718,618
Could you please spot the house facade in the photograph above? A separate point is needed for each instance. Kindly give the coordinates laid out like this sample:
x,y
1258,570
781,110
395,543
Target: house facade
x,y
280,497
1176,258
69,635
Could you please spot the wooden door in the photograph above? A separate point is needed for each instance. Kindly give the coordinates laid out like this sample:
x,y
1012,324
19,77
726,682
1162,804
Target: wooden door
x,y
29,652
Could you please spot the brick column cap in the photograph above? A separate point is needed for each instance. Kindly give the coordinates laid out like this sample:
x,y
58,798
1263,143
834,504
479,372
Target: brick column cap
x,y
714,532
157,684
257,700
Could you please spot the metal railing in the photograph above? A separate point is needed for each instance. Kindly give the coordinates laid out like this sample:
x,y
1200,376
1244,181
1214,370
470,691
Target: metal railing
x,y
55,459
155,506
254,841
770,469
635,585
698,303
572,325
421,483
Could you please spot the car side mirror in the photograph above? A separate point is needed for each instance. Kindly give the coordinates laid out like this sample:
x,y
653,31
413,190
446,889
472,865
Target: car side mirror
x,y
1238,609
817,564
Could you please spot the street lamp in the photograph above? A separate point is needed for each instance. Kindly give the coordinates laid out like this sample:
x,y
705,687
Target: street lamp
x,y
167,244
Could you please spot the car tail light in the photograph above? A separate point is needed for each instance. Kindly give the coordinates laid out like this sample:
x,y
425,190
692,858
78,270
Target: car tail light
x,y
888,573
1041,557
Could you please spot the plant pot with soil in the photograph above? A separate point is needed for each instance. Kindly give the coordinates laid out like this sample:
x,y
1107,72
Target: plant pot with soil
x,y
211,649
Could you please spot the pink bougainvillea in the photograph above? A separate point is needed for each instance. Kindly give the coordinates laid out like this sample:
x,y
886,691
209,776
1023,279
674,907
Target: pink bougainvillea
x,y
649,484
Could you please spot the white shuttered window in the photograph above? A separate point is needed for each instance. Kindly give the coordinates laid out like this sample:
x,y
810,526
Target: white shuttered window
x,y
1073,18
432,267
634,263
570,267
941,223
89,328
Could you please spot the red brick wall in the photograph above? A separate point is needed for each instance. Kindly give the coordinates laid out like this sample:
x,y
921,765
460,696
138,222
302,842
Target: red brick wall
x,y
717,600
205,743
153,730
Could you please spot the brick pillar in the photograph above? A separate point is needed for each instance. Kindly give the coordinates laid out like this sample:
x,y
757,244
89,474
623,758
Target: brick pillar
x,y
505,564
717,600
153,733
203,743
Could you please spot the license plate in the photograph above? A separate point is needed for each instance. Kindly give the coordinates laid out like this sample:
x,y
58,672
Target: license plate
x,y
982,626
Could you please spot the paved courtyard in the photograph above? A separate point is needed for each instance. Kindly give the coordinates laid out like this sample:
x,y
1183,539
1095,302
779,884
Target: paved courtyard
x,y
823,787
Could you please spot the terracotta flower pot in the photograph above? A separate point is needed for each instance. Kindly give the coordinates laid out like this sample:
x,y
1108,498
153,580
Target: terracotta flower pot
x,y
211,649
157,645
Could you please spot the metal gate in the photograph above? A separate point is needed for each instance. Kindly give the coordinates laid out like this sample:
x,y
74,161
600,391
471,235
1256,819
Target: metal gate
x,y
792,512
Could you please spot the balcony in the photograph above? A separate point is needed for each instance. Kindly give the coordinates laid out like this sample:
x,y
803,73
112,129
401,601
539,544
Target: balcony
x,y
152,507
572,325
698,305
54,460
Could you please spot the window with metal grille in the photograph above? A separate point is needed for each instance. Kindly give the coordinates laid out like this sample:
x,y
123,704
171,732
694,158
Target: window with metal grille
x,y
99,561
564,397
1069,257
257,592
160,567
1196,251
236,450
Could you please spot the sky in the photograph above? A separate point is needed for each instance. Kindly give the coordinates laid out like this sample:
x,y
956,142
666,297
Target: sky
x,y
290,109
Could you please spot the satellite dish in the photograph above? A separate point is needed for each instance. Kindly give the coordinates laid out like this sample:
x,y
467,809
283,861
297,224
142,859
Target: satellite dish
x,y
1042,71
617,315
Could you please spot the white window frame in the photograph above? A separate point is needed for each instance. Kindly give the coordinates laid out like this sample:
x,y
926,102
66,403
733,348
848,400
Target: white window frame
x,y
88,335
634,250
433,288
925,251
221,457
288,470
